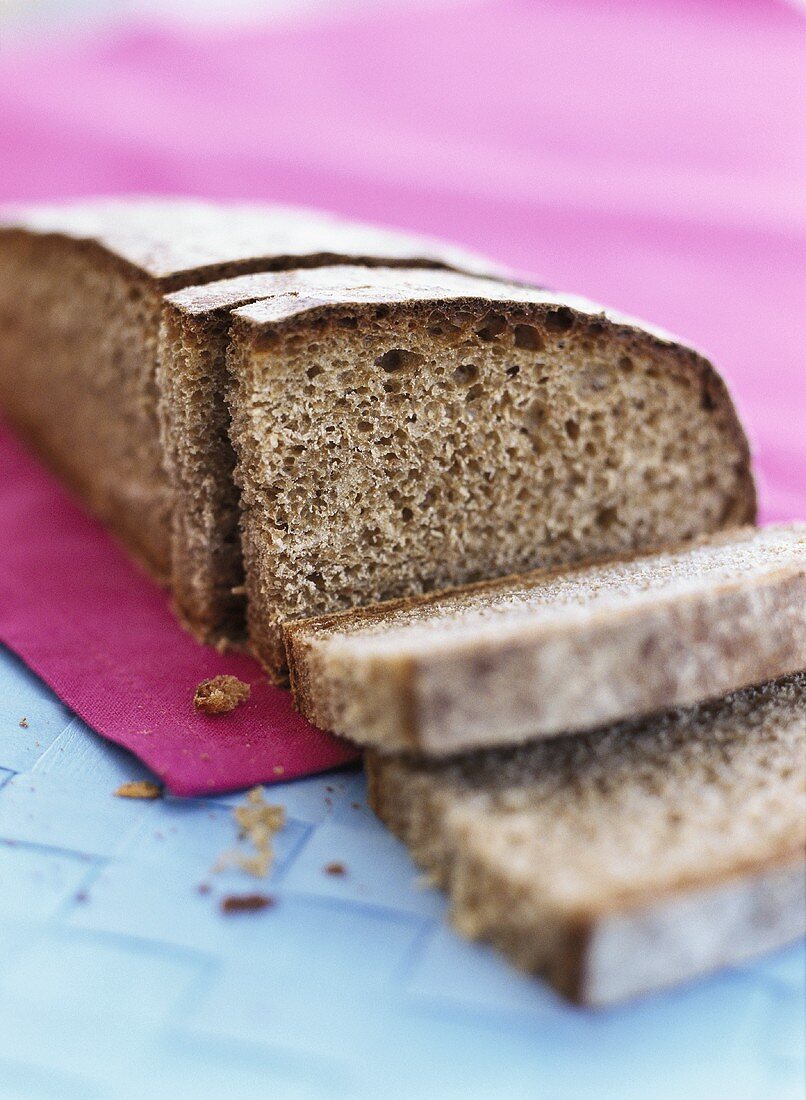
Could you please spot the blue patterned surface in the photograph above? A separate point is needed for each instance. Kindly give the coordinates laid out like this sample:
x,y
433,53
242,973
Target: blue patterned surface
x,y
118,978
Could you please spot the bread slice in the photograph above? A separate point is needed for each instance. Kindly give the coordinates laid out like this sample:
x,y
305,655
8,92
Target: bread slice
x,y
399,432
207,573
80,293
623,860
558,650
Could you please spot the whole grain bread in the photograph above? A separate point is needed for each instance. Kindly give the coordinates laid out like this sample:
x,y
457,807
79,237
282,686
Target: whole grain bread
x,y
626,859
403,431
558,650
81,286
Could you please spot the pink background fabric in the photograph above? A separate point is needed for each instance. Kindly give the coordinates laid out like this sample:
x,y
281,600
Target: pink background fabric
x,y
650,155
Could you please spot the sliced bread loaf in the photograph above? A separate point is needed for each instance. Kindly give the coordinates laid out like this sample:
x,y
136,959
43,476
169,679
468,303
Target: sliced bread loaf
x,y
399,432
80,293
558,650
623,860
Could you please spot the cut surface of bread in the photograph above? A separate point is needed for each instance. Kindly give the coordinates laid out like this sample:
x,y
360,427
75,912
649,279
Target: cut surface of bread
x,y
626,859
400,432
81,286
558,650
207,573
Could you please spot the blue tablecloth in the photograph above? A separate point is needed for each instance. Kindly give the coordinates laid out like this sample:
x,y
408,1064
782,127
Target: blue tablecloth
x,y
118,977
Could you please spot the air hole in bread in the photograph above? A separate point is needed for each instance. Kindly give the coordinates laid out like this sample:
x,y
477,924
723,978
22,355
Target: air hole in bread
x,y
528,337
535,414
465,373
560,320
494,325
398,359
606,517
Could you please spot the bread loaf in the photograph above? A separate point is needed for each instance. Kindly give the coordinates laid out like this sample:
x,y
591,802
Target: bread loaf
x,y
403,431
81,286
558,650
623,860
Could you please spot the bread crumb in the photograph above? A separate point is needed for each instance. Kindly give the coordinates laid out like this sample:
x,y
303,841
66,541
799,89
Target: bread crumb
x,y
258,865
246,903
221,694
258,821
335,868
24,723
139,788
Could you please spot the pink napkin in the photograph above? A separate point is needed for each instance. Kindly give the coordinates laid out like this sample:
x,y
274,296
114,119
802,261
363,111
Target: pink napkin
x,y
647,155
96,629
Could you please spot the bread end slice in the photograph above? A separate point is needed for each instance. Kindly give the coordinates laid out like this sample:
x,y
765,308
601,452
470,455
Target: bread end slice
x,y
625,860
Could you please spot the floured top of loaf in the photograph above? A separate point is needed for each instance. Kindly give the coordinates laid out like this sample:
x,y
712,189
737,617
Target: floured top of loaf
x,y
165,237
303,291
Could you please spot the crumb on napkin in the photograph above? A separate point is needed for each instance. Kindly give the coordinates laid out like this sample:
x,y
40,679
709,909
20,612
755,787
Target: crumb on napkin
x,y
335,868
139,788
24,723
221,694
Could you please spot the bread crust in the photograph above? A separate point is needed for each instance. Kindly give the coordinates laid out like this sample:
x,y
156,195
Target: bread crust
x,y
174,240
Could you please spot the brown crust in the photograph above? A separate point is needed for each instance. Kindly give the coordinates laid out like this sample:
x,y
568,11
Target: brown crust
x,y
400,679
569,973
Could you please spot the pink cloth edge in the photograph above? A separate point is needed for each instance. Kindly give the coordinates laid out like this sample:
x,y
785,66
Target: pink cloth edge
x,y
86,620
